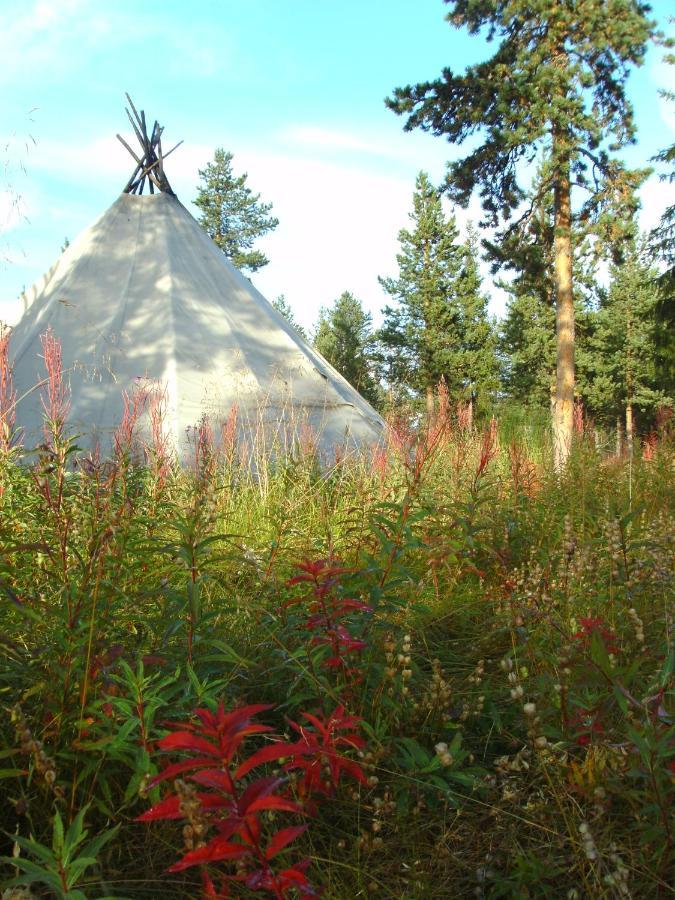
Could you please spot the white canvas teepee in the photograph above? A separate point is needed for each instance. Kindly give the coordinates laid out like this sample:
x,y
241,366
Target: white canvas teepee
x,y
144,294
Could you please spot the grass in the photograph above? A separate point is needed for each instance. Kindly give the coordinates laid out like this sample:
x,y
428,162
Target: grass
x,y
508,654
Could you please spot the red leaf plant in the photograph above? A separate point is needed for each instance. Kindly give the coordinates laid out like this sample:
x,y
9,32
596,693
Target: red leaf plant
x,y
319,753
328,612
586,725
215,796
596,626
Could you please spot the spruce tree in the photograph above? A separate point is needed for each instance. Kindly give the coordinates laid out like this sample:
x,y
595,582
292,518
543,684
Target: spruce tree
x,y
232,214
557,81
623,376
663,236
283,308
420,335
663,249
344,336
477,351
527,344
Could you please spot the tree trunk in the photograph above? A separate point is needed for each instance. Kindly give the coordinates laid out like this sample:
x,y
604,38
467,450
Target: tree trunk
x,y
629,379
563,414
430,402
619,438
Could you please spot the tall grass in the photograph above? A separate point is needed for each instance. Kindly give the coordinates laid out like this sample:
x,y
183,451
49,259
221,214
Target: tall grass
x,y
501,637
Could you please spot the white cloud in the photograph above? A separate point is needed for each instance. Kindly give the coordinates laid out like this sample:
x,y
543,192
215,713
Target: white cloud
x,y
315,137
656,197
338,229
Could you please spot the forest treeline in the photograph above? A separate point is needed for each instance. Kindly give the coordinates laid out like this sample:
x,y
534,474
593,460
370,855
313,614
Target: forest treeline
x,y
587,328
437,326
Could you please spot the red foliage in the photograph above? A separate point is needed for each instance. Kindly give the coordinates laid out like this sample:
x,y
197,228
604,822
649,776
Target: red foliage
x,y
161,446
328,611
319,753
232,807
55,399
134,405
596,626
489,448
586,726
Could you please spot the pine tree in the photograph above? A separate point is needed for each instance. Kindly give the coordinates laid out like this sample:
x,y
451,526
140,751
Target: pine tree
x,y
623,354
232,214
344,336
663,249
663,236
420,335
527,343
477,352
283,308
527,332
557,81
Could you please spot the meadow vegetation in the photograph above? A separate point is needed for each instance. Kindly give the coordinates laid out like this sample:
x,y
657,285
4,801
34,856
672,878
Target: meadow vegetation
x,y
436,670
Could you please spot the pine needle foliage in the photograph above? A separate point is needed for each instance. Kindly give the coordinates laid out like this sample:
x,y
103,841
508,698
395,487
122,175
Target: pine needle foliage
x,y
233,216
556,81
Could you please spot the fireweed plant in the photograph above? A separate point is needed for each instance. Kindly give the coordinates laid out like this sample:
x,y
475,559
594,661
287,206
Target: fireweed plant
x,y
438,669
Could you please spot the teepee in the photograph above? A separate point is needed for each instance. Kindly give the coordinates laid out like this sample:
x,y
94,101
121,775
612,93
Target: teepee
x,y
145,295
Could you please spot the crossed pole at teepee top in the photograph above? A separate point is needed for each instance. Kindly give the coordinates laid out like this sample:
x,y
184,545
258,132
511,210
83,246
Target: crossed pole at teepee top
x,y
150,164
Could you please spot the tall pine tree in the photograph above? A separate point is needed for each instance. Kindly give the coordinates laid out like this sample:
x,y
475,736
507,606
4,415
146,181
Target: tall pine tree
x,y
232,214
420,334
556,80
527,332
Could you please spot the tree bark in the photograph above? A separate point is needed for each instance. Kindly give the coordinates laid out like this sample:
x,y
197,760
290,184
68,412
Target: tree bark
x,y
629,428
629,379
563,414
619,437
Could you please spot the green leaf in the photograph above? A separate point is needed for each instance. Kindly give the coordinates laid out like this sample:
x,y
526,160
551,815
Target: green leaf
x,y
96,844
57,837
32,873
35,848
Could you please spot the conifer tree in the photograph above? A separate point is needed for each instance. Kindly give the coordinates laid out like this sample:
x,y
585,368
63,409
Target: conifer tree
x,y
420,335
283,308
557,81
623,376
232,214
527,344
344,336
527,332
477,351
663,248
663,236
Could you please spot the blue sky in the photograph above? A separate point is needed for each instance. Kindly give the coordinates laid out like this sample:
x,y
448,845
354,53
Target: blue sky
x,y
295,90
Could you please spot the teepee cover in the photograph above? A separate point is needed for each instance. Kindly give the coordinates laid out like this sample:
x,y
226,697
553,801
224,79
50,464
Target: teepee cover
x,y
144,295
